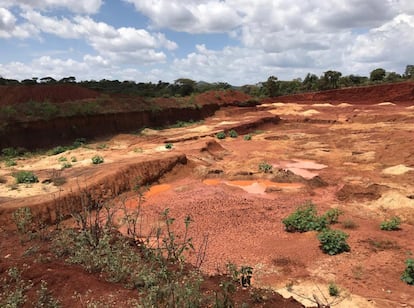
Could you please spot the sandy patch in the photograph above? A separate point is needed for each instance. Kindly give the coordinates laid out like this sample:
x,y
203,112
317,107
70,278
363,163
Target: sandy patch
x,y
410,108
323,105
26,190
305,290
397,170
386,104
393,200
227,123
200,129
309,112
342,105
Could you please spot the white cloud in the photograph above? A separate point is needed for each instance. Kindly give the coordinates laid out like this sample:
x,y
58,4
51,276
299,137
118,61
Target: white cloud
x,y
76,6
9,28
194,16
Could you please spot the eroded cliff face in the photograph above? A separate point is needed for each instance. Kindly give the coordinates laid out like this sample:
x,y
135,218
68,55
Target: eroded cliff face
x,y
59,131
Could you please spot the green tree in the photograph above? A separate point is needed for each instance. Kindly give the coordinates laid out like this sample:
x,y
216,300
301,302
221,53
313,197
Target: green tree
x,y
377,75
409,71
331,79
310,83
272,86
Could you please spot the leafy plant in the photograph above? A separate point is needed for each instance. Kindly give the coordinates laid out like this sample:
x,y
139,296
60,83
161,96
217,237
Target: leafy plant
x,y
247,137
66,165
57,150
392,224
333,241
332,215
97,160
233,134
333,289
13,289
45,298
169,146
10,163
62,159
305,219
265,167
26,177
73,159
23,219
408,274
221,135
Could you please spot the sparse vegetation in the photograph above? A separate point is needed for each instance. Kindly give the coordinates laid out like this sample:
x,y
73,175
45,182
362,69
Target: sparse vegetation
x,y
333,289
333,241
349,224
247,137
332,216
13,289
97,160
392,224
305,219
25,177
10,163
169,146
66,165
265,167
408,274
221,135
233,134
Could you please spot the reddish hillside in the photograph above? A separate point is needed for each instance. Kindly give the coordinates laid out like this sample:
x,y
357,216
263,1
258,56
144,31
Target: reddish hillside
x,y
10,95
396,93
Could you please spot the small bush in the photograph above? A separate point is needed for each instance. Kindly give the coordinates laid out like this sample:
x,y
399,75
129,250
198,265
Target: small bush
x,y
233,134
333,241
332,216
10,152
408,274
26,177
62,159
169,146
304,219
97,160
333,289
78,143
221,135
391,225
265,167
73,159
66,165
57,150
247,137
10,163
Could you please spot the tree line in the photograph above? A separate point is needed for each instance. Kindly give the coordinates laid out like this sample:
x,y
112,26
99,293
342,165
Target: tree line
x,y
272,87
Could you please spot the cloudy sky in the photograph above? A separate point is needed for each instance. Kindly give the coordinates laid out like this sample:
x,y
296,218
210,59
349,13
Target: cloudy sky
x,y
237,41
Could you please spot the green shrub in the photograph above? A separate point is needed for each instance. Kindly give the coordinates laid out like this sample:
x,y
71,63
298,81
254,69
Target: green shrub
x,y
221,135
247,137
391,225
97,160
333,289
66,165
332,216
333,241
26,177
57,150
10,163
408,274
305,219
73,159
169,146
78,143
62,159
233,134
10,152
265,167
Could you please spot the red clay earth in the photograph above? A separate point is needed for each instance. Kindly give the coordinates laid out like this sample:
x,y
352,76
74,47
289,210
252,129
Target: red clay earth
x,y
355,155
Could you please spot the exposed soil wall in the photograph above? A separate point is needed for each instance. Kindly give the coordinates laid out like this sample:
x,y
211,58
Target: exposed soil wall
x,y
395,92
59,131
104,184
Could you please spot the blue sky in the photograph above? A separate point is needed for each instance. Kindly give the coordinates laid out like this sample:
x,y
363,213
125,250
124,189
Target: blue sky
x,y
237,41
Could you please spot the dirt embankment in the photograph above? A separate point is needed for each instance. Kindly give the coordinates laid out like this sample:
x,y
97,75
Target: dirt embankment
x,y
396,93
91,186
11,95
113,118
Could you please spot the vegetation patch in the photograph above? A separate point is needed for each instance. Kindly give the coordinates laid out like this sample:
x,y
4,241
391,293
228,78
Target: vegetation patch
x,y
265,167
233,134
25,177
392,224
304,219
96,160
221,135
333,241
408,274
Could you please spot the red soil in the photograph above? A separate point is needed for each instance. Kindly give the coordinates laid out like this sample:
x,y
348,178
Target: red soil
x,y
395,92
11,95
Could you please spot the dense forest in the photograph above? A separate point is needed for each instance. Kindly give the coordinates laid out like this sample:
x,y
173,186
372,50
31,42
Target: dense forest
x,y
271,87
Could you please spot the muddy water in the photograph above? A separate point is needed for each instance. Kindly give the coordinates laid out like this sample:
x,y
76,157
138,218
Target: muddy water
x,y
255,187
303,167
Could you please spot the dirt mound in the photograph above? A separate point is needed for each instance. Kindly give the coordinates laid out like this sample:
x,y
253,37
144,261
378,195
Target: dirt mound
x,y
212,147
11,95
357,192
396,93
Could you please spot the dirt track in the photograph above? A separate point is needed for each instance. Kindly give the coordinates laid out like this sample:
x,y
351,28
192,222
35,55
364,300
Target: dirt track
x,y
363,152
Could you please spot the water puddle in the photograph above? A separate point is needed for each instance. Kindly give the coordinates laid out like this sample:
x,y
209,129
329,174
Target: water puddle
x,y
255,187
303,168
